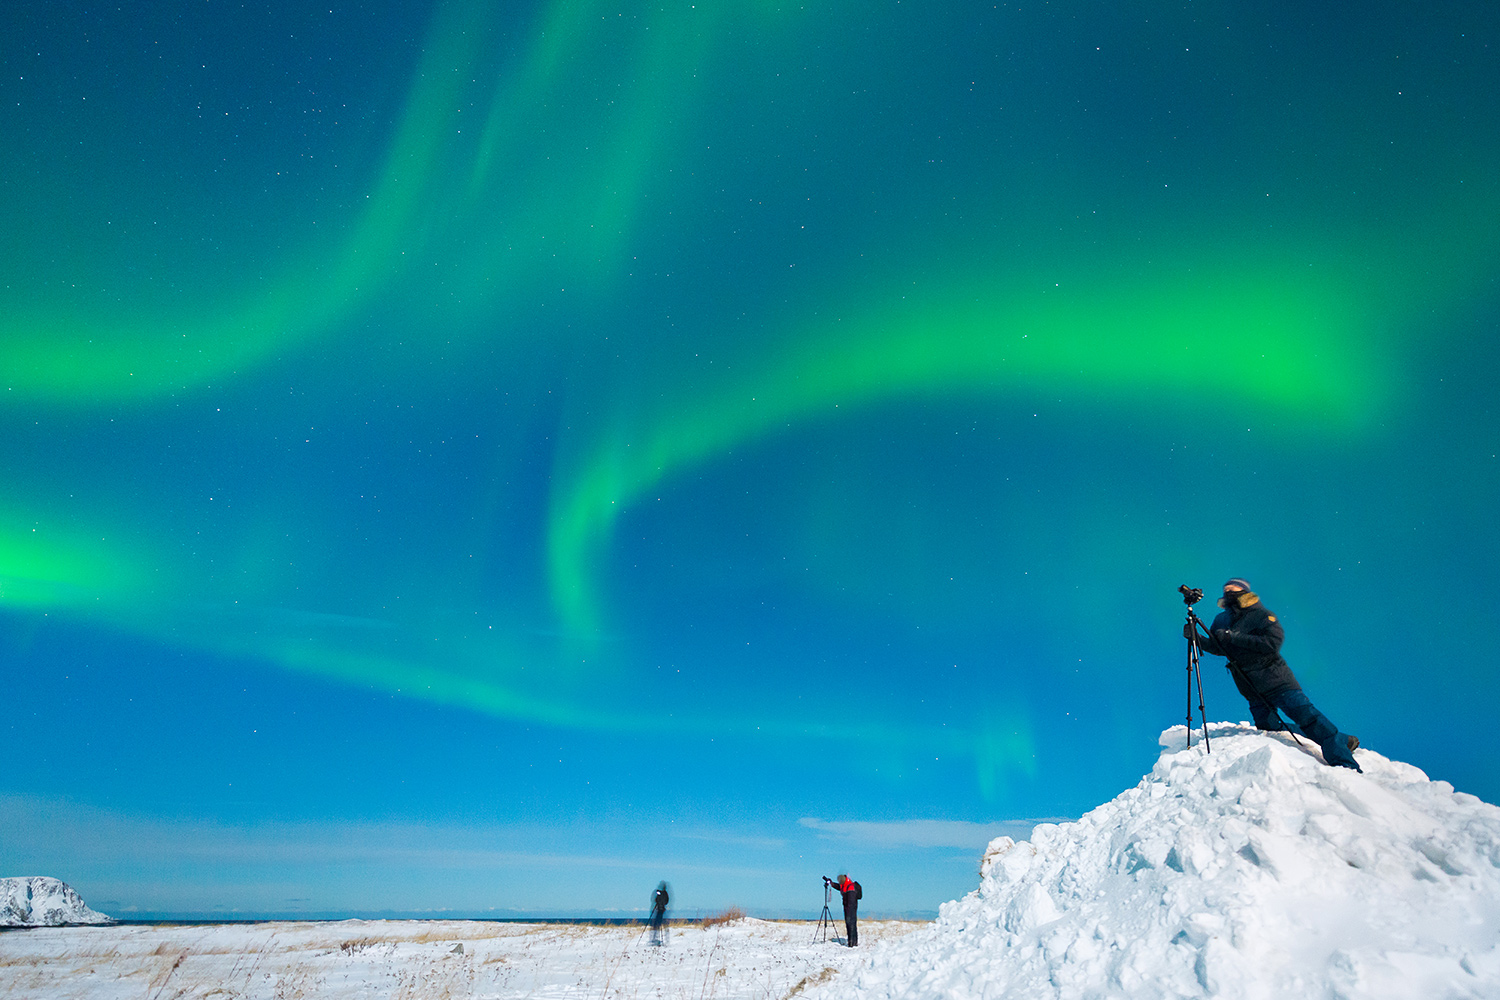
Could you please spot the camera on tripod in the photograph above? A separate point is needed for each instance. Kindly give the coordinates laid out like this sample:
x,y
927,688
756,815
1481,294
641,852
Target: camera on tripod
x,y
1191,596
825,919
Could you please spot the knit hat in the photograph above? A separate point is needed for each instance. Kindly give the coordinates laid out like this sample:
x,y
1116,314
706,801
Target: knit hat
x,y
1237,582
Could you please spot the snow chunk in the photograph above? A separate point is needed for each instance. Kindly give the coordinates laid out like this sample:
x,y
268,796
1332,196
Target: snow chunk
x,y
1254,871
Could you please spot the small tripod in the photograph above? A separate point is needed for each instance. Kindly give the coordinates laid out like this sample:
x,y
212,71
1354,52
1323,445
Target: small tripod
x,y
826,920
1191,596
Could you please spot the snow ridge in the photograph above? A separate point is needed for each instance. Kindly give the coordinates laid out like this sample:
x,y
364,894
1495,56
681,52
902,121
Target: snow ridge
x,y
39,901
1256,871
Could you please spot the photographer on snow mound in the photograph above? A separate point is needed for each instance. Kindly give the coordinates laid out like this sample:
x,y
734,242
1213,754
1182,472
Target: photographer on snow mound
x,y
1248,634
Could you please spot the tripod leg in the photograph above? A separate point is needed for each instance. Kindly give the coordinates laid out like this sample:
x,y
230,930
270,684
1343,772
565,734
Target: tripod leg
x,y
1191,664
1190,702
1202,711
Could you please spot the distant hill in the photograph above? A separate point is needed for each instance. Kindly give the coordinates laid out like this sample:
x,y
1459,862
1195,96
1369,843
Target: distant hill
x,y
1253,871
39,901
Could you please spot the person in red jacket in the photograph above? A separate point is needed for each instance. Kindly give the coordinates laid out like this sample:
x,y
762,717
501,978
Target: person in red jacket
x,y
852,893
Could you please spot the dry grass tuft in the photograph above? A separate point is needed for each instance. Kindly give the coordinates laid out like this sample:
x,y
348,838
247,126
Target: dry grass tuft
x,y
458,931
806,981
6,960
356,945
729,916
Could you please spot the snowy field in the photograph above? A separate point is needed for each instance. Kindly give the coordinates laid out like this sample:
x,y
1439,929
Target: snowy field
x,y
425,960
1256,872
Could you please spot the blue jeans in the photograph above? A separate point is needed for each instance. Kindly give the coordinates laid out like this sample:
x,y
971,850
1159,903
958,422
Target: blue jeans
x,y
1313,723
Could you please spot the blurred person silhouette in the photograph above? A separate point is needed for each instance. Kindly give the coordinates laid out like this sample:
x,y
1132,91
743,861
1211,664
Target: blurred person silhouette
x,y
659,900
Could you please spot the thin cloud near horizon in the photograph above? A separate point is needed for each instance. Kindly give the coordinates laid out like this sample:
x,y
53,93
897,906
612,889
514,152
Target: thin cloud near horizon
x,y
924,832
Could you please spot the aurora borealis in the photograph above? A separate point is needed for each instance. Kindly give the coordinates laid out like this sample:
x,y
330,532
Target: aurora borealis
x,y
716,422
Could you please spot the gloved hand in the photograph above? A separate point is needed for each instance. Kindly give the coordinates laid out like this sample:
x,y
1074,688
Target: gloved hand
x,y
1188,630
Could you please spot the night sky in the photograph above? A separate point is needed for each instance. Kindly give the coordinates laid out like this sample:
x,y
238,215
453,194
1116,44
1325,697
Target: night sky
x,y
487,458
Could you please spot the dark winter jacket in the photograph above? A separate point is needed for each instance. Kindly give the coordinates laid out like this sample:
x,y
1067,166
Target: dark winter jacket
x,y
1250,636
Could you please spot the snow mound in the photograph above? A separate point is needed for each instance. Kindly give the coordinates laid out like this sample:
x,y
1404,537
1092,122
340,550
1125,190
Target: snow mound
x,y
39,901
1256,871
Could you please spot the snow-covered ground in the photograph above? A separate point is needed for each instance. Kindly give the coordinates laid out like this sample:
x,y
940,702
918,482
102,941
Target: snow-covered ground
x,y
1256,871
1253,872
418,960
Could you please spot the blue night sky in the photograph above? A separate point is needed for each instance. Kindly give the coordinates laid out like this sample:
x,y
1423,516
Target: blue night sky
x,y
487,458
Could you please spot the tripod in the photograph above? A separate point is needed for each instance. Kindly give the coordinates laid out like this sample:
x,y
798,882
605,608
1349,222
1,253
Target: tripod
x,y
826,920
1195,623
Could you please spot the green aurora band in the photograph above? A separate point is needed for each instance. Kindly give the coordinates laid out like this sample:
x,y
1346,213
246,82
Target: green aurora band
x,y
501,227
1128,342
463,217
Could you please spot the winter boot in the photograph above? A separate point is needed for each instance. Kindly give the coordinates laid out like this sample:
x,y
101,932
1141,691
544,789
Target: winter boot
x,y
1340,751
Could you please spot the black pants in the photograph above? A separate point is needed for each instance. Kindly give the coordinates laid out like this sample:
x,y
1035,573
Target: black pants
x,y
851,925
